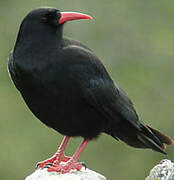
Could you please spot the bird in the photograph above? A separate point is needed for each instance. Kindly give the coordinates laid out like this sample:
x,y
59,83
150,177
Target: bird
x,y
67,87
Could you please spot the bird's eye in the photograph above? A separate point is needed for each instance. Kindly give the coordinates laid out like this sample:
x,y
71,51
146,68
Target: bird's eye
x,y
44,19
48,17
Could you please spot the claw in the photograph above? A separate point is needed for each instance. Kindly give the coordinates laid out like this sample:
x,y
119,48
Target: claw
x,y
44,163
48,165
84,165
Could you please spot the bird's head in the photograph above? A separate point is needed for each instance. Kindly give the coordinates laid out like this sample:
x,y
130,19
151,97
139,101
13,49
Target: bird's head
x,y
44,26
53,17
48,19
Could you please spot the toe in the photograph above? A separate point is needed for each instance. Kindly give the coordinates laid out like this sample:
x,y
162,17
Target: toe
x,y
84,164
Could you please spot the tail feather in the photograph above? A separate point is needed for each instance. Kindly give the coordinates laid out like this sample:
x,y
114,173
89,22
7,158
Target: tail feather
x,y
142,137
154,139
162,137
149,143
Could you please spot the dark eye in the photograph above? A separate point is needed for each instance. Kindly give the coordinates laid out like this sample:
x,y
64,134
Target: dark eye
x,y
44,19
49,17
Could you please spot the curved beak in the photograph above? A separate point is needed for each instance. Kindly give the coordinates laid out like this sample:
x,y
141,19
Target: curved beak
x,y
69,16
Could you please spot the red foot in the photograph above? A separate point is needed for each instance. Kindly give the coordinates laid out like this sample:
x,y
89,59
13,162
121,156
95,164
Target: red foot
x,y
65,158
47,161
66,168
57,158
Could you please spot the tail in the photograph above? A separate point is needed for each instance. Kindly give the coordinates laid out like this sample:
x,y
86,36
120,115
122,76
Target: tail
x,y
153,139
142,137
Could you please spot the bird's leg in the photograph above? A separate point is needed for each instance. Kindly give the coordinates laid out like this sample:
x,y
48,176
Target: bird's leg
x,y
58,156
72,164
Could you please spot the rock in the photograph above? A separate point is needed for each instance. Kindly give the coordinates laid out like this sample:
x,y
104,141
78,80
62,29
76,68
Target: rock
x,y
162,171
84,174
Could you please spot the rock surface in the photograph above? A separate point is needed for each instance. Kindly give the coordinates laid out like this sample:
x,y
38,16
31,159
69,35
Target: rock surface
x,y
162,171
84,174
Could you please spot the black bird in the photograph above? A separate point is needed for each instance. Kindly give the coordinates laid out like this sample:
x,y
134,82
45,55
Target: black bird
x,y
66,86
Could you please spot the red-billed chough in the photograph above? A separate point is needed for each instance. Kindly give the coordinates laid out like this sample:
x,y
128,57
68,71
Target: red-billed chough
x,y
66,86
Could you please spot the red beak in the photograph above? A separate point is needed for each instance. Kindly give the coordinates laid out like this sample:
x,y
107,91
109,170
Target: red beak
x,y
69,16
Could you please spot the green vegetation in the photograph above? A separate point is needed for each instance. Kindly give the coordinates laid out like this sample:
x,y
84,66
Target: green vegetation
x,y
135,40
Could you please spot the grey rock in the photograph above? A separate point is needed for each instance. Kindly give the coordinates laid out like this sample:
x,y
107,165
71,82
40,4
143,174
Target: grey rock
x,y
162,171
84,174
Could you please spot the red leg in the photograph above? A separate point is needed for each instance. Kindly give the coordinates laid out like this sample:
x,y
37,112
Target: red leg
x,y
58,156
72,163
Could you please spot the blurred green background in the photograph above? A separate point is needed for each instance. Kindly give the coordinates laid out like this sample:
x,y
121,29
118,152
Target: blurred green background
x,y
135,41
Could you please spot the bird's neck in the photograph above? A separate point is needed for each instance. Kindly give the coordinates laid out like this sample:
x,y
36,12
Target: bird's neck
x,y
33,42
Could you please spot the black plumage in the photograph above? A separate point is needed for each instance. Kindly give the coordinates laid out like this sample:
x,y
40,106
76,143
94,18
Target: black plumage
x,y
66,86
